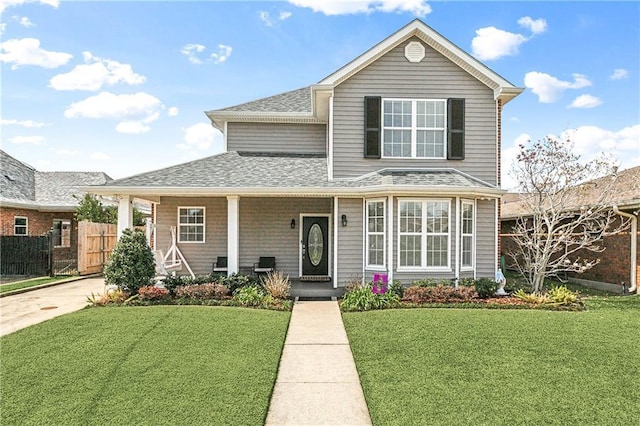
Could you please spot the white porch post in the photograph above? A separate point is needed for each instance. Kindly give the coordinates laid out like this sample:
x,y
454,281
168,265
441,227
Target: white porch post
x,y
125,214
390,238
233,234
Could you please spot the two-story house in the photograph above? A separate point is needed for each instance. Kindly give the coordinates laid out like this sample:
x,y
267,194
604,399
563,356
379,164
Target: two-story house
x,y
389,165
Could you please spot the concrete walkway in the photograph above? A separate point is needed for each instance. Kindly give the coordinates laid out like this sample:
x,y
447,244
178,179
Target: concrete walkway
x,y
317,380
22,310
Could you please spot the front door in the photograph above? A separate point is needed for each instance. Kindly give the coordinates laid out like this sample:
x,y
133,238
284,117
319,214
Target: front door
x,y
315,245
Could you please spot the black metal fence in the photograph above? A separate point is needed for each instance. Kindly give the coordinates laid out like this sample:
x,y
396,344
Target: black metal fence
x,y
23,255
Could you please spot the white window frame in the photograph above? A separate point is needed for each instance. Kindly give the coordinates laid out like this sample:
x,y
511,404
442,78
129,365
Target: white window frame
x,y
423,235
62,221
368,233
204,224
414,127
471,267
25,226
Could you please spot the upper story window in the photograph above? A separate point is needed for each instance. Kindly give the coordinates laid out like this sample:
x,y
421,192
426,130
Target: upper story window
x,y
61,232
414,128
20,225
191,224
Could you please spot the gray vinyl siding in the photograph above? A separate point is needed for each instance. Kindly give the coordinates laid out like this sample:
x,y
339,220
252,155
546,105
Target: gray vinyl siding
x,y
350,240
277,137
392,76
199,256
486,260
265,230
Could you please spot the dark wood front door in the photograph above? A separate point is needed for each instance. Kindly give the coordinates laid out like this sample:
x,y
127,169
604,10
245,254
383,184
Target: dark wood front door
x,y
315,245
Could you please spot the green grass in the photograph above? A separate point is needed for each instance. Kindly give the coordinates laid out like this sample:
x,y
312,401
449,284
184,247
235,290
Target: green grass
x,y
145,365
18,285
490,367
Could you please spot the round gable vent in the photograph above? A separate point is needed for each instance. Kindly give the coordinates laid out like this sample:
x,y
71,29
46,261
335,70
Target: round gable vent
x,y
414,51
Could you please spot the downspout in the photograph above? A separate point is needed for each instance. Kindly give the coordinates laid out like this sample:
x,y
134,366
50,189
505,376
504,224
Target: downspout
x,y
634,246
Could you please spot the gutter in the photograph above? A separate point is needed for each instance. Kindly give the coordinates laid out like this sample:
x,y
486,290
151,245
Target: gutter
x,y
634,246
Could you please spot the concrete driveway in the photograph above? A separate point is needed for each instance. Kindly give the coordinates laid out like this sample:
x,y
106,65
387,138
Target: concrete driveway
x,y
25,309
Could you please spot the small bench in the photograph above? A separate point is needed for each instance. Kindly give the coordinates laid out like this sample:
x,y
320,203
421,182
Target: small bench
x,y
265,265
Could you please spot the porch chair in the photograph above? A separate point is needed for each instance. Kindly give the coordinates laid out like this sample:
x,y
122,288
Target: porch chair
x,y
264,265
220,265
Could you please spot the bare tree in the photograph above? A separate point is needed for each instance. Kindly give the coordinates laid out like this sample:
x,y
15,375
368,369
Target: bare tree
x,y
566,210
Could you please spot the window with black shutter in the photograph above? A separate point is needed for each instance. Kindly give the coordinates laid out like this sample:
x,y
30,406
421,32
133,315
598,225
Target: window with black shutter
x,y
455,130
372,126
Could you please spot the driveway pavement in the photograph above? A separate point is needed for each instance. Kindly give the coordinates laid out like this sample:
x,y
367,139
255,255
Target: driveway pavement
x,y
22,310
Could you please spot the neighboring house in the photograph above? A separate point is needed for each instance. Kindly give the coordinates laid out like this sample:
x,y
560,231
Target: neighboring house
x,y
33,203
389,165
616,262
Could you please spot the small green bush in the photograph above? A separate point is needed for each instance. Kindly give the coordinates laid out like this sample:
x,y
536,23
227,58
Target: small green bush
x,y
236,281
486,287
562,295
363,299
131,264
396,288
250,296
431,282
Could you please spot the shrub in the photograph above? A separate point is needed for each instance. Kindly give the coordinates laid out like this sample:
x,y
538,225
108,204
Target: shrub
x,y
531,298
202,291
249,296
152,293
363,299
562,295
235,281
431,282
438,294
109,297
131,264
486,287
467,282
396,288
353,283
277,285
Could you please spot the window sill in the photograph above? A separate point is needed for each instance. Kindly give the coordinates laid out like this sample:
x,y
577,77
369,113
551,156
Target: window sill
x,y
190,242
376,268
432,269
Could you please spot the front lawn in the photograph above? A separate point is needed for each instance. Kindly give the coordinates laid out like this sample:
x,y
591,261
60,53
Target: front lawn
x,y
18,285
143,365
476,366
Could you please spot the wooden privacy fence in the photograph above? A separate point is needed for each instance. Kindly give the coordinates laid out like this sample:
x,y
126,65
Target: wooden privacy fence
x,y
95,243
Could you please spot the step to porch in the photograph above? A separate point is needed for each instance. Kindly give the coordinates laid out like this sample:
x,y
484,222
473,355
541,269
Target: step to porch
x,y
314,289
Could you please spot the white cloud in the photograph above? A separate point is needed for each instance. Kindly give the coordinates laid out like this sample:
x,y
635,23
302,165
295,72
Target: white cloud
x,y
548,88
589,141
96,73
27,51
343,7
173,111
3,26
508,159
199,136
4,4
23,123
65,151
134,112
191,51
32,140
24,21
536,26
585,101
270,21
492,43
619,74
101,156
222,54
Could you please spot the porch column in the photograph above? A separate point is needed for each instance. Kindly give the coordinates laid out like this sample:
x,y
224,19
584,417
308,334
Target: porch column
x,y
125,214
233,233
390,238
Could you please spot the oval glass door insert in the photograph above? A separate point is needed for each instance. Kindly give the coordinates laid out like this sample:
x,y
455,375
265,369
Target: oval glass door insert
x,y
315,244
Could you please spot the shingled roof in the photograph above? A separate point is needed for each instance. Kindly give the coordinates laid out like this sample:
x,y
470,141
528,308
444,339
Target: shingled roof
x,y
22,185
296,101
625,192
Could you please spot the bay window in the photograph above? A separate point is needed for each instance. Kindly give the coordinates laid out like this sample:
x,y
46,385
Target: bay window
x,y
423,234
375,233
467,225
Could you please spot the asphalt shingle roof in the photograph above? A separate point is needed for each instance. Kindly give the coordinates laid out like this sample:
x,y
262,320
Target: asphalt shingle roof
x,y
22,184
296,101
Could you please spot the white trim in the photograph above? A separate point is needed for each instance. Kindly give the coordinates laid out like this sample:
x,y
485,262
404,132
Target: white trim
x,y
204,225
458,250
473,235
475,239
330,140
335,243
155,225
62,221
495,231
364,244
233,234
423,237
498,153
414,127
25,226
369,266
390,238
329,245
224,137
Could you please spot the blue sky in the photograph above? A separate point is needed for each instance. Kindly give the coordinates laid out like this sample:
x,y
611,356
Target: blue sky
x,y
122,87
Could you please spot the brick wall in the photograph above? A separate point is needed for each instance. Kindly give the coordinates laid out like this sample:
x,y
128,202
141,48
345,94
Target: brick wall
x,y
39,223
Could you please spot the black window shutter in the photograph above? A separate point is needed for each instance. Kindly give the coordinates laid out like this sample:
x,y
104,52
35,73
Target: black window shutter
x,y
455,130
372,115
